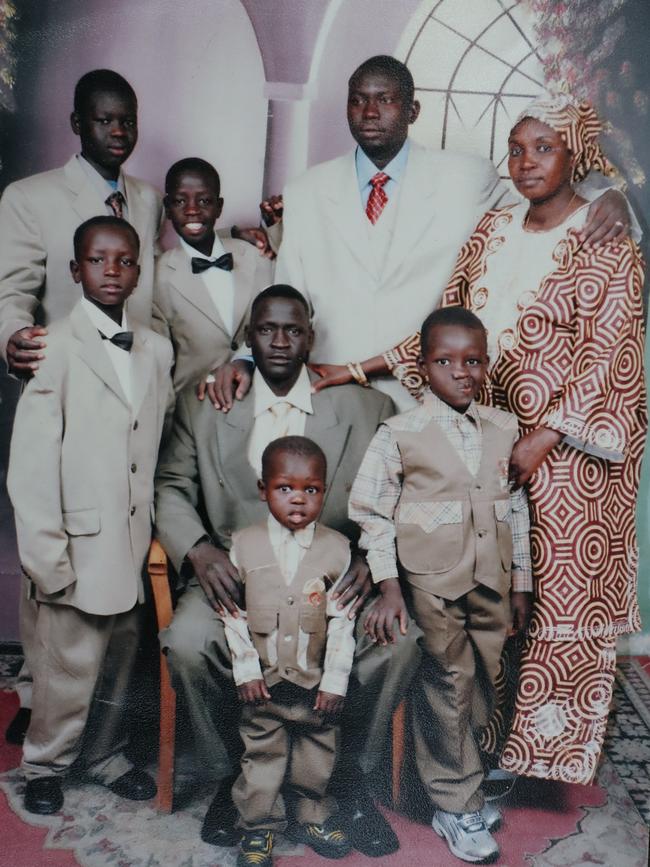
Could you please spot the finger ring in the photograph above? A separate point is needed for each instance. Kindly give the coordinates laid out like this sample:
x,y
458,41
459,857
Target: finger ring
x,y
209,379
620,223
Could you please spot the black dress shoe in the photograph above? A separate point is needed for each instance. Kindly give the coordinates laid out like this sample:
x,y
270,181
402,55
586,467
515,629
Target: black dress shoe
x,y
134,785
17,728
367,830
43,795
218,828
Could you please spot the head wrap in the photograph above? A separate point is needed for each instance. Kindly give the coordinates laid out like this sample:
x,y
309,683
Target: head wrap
x,y
579,126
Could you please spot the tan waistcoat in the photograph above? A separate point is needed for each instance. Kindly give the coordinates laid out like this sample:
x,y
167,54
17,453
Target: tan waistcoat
x,y
272,604
451,527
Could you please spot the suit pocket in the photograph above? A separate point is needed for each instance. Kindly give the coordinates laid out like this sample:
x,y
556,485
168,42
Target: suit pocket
x,y
263,621
430,536
82,522
312,621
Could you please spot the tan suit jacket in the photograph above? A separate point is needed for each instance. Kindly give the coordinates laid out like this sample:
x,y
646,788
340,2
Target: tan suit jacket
x,y
204,483
38,219
81,467
184,312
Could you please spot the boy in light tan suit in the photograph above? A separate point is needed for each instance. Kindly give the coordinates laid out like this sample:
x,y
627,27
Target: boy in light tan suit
x,y
432,498
204,287
81,468
292,652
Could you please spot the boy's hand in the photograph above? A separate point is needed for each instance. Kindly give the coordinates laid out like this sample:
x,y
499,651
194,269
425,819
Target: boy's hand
x,y
257,237
530,452
254,692
389,607
356,582
24,350
328,703
217,576
232,378
330,374
522,606
272,209
608,220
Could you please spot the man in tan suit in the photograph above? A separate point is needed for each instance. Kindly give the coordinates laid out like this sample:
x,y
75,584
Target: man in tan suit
x,y
81,468
206,489
203,287
39,215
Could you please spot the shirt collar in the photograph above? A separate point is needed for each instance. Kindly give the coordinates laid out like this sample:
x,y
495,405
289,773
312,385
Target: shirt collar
x,y
366,169
192,252
101,321
99,183
441,410
299,396
278,533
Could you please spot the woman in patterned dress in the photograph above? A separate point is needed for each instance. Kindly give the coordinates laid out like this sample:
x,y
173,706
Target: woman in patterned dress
x,y
565,332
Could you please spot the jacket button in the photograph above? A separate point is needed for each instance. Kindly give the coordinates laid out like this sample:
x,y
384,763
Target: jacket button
x,y
134,467
478,487
287,638
132,510
481,533
290,600
135,424
221,483
234,346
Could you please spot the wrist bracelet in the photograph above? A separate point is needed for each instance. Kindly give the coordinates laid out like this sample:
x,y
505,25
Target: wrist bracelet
x,y
358,373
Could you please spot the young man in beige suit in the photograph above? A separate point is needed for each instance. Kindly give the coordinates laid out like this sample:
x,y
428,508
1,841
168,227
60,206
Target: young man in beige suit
x,y
204,287
432,499
39,215
80,479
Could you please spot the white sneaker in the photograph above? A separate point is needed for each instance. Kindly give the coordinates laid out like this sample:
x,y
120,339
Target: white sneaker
x,y
491,816
467,835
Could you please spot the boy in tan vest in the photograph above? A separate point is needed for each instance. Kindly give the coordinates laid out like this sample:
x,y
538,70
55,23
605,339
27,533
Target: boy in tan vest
x,y
292,653
432,498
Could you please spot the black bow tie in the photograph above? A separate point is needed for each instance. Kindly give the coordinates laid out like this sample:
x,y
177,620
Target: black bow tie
x,y
123,339
199,264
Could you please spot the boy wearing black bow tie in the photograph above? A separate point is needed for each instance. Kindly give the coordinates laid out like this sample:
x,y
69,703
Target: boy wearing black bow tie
x,y
80,478
204,287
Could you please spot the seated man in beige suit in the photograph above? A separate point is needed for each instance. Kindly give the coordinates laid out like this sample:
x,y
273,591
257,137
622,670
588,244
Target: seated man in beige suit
x,y
206,489
203,287
81,469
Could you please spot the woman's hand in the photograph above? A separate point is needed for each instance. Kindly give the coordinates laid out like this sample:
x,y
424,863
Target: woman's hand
x,y
330,374
530,452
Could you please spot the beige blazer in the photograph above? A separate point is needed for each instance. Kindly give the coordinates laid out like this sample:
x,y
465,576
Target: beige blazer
x,y
326,251
38,218
184,312
204,483
81,467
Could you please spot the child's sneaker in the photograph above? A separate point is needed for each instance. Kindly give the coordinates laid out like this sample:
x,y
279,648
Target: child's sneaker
x,y
491,816
255,849
328,839
467,836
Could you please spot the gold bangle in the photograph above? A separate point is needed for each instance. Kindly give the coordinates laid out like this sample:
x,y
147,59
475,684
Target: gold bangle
x,y
358,373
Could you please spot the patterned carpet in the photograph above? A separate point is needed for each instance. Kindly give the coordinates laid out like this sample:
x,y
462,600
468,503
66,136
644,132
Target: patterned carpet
x,y
546,824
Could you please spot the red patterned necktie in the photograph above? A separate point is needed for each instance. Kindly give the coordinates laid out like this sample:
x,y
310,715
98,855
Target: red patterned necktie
x,y
115,202
377,198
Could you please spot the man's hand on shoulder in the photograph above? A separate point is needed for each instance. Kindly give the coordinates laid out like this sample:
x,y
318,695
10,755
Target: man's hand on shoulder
x,y
608,220
256,236
25,350
272,210
217,576
227,382
355,583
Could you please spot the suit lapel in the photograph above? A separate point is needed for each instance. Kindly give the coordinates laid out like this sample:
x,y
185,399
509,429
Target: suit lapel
x,y
192,287
324,428
243,272
86,201
142,367
416,209
89,348
231,441
342,205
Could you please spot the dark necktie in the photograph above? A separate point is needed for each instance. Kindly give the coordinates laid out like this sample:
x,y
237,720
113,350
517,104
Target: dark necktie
x,y
116,203
377,198
199,264
123,339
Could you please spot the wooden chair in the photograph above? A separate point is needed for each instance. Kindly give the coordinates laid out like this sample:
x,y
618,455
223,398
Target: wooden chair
x,y
157,569
158,575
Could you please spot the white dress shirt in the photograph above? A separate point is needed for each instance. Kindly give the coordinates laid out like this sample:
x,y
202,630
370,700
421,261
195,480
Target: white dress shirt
x,y
277,416
219,283
119,358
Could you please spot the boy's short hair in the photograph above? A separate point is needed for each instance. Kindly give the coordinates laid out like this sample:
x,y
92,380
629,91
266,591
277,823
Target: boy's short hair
x,y
102,221
195,165
391,67
294,445
280,290
100,81
459,316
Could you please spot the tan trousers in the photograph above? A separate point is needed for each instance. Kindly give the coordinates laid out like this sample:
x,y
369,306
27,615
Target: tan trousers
x,y
454,691
285,742
78,661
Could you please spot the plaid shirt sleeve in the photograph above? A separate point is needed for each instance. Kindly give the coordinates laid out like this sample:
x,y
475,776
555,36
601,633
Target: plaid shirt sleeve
x,y
339,651
522,573
373,499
